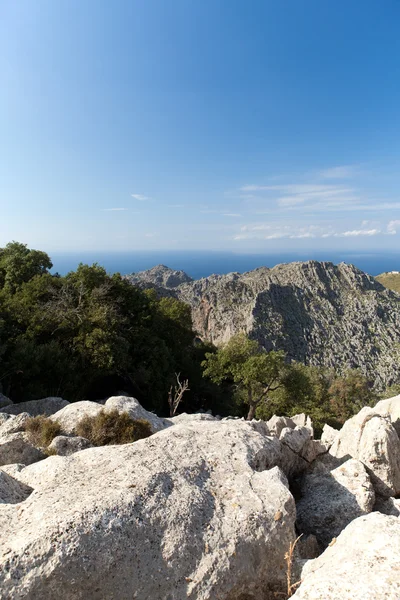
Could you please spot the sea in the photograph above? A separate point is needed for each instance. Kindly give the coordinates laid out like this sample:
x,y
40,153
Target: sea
x,y
200,264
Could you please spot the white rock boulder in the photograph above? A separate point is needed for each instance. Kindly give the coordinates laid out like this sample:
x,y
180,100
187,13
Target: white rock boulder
x,y
136,411
69,416
390,407
197,511
330,501
372,439
362,564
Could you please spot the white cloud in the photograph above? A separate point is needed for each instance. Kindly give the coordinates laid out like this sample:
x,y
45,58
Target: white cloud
x,y
358,232
343,172
140,197
112,209
392,227
231,215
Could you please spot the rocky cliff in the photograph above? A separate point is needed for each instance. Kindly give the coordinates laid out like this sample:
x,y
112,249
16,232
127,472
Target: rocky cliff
x,y
317,312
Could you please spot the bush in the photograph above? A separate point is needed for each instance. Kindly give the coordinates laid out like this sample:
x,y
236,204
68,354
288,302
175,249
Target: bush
x,y
112,427
42,430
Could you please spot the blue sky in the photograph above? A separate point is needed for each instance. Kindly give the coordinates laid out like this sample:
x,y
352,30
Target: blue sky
x,y
200,124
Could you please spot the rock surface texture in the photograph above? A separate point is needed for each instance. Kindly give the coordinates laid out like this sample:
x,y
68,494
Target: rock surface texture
x,y
362,564
317,312
196,511
330,501
372,439
45,406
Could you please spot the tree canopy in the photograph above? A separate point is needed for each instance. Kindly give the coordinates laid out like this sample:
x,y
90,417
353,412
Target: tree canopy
x,y
253,371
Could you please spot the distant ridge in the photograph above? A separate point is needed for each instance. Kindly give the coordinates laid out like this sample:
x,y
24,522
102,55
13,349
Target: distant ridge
x,y
317,312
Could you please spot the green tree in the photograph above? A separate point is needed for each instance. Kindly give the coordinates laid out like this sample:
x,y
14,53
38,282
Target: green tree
x,y
349,394
18,264
254,372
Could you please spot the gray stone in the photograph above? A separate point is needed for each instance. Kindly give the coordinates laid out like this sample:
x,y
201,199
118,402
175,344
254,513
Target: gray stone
x,y
65,446
45,406
363,563
329,435
69,416
12,491
390,407
330,501
372,439
276,424
4,401
14,424
16,448
195,512
136,411
387,506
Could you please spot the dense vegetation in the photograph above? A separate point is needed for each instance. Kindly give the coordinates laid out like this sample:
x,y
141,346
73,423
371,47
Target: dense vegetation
x,y
91,335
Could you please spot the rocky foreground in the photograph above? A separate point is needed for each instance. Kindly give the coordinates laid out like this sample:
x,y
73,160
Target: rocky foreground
x,y
204,508
317,312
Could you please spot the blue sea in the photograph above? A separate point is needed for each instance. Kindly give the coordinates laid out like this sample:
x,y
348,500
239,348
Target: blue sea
x,y
201,264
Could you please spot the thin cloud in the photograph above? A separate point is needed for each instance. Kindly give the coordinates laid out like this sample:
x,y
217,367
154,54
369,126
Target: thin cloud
x,y
231,215
140,197
112,209
343,172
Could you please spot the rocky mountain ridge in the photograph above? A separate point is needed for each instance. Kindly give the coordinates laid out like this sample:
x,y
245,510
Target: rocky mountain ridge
x,y
317,312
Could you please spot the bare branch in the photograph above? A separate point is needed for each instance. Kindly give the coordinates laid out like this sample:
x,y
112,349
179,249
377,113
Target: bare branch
x,y
175,394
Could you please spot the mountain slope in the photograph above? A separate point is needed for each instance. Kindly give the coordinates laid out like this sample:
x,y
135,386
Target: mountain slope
x,y
390,280
317,312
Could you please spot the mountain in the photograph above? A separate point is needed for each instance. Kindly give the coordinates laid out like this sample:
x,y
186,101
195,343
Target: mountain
x,y
317,312
159,277
390,280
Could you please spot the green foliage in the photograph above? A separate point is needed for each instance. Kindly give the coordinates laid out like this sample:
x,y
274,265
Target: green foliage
x,y
42,430
254,372
69,335
112,427
320,393
392,390
18,265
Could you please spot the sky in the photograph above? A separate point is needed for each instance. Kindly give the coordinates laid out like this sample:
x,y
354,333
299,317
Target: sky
x,y
247,126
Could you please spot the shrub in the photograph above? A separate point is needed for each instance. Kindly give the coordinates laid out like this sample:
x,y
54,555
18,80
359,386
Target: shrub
x,y
42,430
112,428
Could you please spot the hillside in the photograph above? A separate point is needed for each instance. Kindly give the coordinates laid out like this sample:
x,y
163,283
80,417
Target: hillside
x,y
391,280
317,312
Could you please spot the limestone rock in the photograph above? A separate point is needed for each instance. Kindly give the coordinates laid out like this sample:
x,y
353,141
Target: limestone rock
x,y
69,416
329,435
12,491
276,424
363,563
295,438
4,401
16,448
330,501
45,406
189,418
136,411
65,446
181,514
14,424
390,407
372,439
